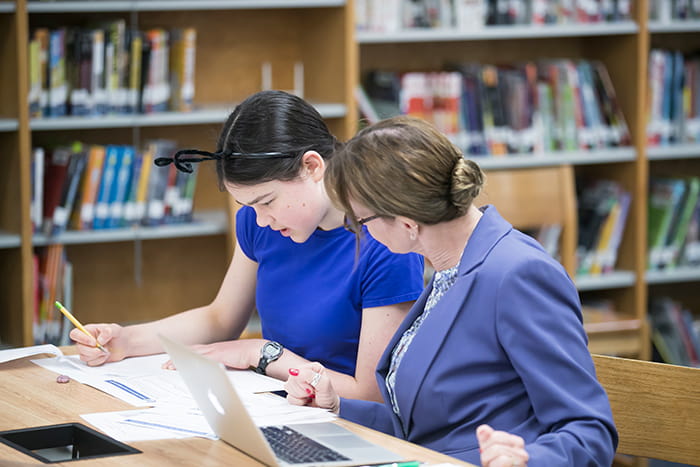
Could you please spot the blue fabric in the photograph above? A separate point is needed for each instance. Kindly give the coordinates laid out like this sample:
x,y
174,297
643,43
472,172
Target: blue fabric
x,y
504,346
310,295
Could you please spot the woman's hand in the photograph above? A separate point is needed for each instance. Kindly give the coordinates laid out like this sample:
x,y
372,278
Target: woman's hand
x,y
239,354
111,336
310,385
501,449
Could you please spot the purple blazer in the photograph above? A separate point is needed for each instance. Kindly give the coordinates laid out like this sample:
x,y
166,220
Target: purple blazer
x,y
504,346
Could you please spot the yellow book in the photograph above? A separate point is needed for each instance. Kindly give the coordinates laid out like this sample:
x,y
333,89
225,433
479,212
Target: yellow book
x,y
182,60
90,187
603,246
142,190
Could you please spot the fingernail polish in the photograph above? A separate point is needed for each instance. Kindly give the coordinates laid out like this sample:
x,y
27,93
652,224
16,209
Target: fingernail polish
x,y
308,391
312,396
294,372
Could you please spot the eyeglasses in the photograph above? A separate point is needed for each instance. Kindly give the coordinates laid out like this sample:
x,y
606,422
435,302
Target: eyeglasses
x,y
185,165
360,222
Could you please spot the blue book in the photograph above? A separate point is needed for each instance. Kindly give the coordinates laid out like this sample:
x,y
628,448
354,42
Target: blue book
x,y
120,188
58,88
109,175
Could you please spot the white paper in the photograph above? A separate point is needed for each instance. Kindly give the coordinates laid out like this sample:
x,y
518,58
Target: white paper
x,y
112,423
141,381
15,354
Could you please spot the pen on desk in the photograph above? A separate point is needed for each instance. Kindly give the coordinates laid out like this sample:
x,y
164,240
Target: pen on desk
x,y
77,324
396,464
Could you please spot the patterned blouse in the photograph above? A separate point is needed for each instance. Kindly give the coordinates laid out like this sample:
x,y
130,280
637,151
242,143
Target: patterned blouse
x,y
441,284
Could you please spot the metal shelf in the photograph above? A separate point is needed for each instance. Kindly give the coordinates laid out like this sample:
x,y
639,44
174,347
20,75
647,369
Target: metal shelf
x,y
675,151
519,161
7,7
610,280
9,240
202,116
173,5
679,274
498,32
205,223
657,27
8,124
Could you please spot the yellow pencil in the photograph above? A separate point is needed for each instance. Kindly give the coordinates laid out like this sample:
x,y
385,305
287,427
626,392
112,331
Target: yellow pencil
x,y
77,324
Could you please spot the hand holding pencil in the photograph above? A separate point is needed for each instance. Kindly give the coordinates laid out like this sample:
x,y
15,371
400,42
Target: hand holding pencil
x,y
78,325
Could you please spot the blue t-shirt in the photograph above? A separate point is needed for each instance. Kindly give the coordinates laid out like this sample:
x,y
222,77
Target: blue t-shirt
x,y
310,295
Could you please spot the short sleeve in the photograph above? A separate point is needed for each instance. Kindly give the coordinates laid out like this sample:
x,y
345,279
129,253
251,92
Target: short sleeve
x,y
246,230
389,278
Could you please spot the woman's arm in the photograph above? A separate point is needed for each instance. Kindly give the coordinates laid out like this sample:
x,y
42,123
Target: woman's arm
x,y
224,318
539,326
378,326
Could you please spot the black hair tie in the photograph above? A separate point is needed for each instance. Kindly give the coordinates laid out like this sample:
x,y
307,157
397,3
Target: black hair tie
x,y
185,165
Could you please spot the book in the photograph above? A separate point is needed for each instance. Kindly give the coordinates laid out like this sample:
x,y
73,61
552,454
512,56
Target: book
x,y
664,196
182,62
74,175
54,180
665,332
678,230
37,179
120,188
58,87
91,184
107,181
133,87
158,184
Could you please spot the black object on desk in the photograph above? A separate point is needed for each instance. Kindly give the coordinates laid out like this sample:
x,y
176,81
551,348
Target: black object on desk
x,y
64,442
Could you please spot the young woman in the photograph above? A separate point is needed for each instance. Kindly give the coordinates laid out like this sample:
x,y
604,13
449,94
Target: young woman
x,y
491,363
294,261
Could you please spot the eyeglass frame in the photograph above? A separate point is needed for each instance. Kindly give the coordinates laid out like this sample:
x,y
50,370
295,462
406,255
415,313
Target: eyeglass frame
x,y
360,222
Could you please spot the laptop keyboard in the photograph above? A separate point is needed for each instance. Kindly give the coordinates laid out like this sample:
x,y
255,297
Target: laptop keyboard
x,y
294,448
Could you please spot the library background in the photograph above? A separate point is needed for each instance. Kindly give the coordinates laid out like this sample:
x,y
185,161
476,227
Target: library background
x,y
584,113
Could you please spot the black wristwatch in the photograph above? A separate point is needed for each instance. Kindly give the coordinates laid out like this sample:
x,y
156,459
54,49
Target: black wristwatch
x,y
270,352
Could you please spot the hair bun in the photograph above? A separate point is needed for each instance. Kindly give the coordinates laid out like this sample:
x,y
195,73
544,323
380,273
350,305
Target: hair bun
x,y
467,181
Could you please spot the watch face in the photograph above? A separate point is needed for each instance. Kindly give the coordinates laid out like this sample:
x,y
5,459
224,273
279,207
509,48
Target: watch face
x,y
271,350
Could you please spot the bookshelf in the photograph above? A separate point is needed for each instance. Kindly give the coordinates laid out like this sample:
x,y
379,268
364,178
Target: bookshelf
x,y
623,48
675,160
137,274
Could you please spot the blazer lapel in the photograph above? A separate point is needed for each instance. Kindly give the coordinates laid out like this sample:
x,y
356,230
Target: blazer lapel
x,y
427,343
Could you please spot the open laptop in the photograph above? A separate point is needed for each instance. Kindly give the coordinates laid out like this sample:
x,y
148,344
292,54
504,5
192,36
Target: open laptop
x,y
298,445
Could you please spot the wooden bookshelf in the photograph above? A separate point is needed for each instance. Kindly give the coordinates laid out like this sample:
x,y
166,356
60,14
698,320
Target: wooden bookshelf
x,y
623,48
234,36
133,275
676,160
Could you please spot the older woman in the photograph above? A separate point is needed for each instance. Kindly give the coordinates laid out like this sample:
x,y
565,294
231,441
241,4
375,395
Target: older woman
x,y
491,363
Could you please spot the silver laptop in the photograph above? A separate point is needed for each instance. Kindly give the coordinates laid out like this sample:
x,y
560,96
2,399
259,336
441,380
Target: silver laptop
x,y
298,445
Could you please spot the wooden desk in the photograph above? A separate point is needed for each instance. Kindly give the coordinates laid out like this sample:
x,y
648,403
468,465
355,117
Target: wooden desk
x,y
30,396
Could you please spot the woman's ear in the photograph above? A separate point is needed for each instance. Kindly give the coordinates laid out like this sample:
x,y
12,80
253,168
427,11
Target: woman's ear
x,y
410,226
313,165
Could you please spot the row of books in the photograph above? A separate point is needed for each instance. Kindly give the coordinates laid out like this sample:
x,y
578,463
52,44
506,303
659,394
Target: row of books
x,y
396,15
673,10
91,186
553,105
110,69
603,206
674,98
674,222
53,280
675,332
